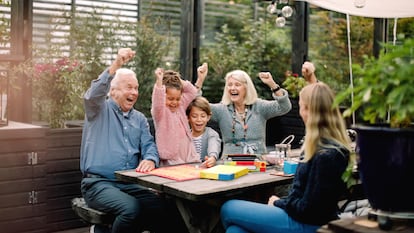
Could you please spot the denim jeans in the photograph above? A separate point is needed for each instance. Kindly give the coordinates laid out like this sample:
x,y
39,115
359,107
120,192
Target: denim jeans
x,y
136,208
244,216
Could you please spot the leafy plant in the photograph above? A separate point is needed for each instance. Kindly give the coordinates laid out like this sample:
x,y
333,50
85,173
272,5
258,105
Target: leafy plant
x,y
152,50
383,87
293,84
349,175
58,86
259,46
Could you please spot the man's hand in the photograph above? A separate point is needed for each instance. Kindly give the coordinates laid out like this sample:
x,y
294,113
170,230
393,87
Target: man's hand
x,y
124,56
145,166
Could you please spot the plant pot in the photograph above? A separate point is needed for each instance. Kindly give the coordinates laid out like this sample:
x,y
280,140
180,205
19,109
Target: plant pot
x,y
387,166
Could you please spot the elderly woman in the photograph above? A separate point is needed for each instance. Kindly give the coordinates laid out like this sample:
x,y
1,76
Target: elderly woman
x,y
241,115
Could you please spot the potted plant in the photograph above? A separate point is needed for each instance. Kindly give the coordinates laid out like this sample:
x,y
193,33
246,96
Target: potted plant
x,y
383,96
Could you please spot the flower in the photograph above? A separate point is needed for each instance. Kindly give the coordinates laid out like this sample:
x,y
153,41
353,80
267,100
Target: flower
x,y
52,88
293,84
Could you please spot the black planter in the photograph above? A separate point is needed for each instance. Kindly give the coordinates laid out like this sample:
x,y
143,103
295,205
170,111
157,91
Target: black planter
x,y
387,166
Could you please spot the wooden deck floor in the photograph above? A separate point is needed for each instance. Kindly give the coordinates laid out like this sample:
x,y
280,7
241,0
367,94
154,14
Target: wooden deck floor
x,y
75,230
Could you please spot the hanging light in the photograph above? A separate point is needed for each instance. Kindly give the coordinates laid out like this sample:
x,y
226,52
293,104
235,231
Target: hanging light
x,y
280,21
282,14
272,8
287,11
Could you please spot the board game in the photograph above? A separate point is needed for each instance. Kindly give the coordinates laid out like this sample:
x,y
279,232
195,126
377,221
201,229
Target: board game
x,y
224,172
178,172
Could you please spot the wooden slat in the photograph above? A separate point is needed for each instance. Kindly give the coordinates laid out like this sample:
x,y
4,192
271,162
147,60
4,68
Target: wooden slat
x,y
22,212
16,159
27,225
70,177
76,225
19,173
62,166
10,187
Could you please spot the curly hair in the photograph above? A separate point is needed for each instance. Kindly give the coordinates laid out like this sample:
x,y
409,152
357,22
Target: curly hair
x,y
172,79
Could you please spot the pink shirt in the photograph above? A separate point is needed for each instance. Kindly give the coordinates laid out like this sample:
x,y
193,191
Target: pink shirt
x,y
172,131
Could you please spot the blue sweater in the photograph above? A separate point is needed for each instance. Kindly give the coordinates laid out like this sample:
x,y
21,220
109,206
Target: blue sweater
x,y
317,187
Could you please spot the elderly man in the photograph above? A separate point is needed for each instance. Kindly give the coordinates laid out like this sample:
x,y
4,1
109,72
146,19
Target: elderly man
x,y
117,137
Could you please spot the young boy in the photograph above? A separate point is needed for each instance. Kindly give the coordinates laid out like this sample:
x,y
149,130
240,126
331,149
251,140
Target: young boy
x,y
206,140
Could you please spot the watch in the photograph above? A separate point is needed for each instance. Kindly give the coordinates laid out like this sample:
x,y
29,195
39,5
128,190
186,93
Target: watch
x,y
275,89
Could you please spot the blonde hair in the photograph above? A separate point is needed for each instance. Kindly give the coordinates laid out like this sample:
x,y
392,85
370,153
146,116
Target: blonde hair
x,y
324,121
243,77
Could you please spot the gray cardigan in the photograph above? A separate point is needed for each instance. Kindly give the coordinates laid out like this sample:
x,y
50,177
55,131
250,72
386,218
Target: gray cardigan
x,y
256,118
210,144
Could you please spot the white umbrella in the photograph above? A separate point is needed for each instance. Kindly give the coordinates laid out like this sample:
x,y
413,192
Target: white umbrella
x,y
369,8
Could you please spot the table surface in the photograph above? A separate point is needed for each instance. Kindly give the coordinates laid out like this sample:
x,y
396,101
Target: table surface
x,y
203,189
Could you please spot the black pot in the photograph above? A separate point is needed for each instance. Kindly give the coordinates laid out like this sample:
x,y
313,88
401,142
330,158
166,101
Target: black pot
x,y
387,166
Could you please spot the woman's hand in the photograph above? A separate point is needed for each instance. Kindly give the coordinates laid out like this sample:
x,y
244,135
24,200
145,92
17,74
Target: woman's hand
x,y
267,79
272,199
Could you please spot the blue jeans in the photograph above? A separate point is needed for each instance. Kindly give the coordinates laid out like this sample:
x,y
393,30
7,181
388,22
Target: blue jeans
x,y
136,208
245,216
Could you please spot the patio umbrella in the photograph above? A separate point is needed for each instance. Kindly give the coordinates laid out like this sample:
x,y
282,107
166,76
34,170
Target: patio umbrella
x,y
367,8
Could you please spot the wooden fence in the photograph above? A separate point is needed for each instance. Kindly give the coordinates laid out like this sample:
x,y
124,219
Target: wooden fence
x,y
50,17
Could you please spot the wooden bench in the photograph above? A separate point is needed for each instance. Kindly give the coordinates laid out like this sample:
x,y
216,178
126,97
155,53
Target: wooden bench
x,y
90,215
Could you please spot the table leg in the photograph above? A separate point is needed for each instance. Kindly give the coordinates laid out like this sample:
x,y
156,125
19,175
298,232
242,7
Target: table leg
x,y
198,217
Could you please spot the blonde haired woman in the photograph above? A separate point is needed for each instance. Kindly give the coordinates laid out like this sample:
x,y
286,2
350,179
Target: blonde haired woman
x,y
317,185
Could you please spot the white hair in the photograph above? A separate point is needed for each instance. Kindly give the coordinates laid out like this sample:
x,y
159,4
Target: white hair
x,y
243,77
122,72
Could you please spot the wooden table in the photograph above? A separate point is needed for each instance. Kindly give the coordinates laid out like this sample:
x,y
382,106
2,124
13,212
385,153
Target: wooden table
x,y
364,225
199,200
